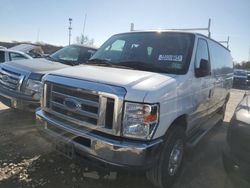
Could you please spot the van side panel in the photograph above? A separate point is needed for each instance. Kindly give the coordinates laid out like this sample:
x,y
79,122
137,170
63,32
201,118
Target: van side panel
x,y
221,73
189,95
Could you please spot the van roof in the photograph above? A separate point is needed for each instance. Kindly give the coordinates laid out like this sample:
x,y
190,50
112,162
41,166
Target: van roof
x,y
177,31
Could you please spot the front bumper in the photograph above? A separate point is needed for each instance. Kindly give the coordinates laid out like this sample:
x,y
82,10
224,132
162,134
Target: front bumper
x,y
237,170
108,150
18,100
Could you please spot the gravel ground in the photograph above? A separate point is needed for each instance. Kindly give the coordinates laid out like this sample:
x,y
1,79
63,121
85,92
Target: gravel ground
x,y
27,160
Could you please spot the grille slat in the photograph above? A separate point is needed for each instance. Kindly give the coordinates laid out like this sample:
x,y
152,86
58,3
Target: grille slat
x,y
83,101
10,73
7,84
69,119
80,112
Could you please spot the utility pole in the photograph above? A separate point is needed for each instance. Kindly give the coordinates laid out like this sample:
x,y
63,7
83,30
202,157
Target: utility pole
x,y
70,28
84,24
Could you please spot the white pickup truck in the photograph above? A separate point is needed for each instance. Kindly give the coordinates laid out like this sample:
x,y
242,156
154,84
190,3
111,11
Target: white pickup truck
x,y
140,100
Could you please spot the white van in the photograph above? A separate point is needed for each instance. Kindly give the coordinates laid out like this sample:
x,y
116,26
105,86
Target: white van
x,y
140,100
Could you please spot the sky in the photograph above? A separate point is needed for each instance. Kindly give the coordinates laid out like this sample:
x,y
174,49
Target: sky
x,y
47,20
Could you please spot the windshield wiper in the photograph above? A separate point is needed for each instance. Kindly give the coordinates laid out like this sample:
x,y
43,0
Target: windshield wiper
x,y
140,65
61,61
98,61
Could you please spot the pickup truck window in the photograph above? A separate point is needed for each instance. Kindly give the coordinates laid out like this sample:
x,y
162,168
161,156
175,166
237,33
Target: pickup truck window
x,y
1,57
16,56
163,52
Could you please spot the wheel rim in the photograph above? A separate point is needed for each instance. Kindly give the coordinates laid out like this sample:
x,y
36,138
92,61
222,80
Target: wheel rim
x,y
175,157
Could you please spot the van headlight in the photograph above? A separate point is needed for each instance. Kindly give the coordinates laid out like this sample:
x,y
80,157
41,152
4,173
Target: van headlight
x,y
140,120
33,88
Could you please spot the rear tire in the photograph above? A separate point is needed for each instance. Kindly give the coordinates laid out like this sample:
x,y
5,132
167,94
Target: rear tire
x,y
168,168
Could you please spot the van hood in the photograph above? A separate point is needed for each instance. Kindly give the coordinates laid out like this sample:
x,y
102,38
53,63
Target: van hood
x,y
38,65
137,83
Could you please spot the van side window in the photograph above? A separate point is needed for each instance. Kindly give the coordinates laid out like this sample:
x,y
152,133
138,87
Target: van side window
x,y
115,49
201,53
202,60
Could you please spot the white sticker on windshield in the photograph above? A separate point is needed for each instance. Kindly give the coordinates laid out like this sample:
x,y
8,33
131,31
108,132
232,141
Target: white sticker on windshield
x,y
177,58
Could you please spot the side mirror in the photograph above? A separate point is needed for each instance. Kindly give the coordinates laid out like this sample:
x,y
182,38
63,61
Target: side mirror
x,y
204,69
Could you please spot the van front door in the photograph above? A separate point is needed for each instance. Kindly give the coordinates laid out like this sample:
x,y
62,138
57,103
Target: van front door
x,y
202,89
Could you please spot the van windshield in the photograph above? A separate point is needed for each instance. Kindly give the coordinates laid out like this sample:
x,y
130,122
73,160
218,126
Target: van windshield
x,y
163,52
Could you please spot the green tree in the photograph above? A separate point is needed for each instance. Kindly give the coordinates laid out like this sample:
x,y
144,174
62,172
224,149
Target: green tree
x,y
243,65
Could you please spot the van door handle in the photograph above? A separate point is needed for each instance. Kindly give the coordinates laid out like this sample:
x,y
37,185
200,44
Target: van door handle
x,y
210,93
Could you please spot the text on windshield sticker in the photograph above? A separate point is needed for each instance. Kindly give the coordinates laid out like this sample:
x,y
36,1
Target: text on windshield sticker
x,y
177,58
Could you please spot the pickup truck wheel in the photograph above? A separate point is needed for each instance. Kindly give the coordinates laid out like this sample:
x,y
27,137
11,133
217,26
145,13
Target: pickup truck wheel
x,y
168,168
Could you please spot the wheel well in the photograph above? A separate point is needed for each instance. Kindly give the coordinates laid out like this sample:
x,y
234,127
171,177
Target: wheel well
x,y
180,121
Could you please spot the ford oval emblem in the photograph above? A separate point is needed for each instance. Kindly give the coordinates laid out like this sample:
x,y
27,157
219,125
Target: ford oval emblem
x,y
5,78
72,104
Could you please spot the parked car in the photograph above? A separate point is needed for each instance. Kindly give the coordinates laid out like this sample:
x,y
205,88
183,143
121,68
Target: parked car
x,y
11,55
236,154
240,78
20,81
34,51
139,101
248,80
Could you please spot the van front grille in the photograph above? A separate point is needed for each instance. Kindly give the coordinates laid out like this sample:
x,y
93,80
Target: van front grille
x,y
74,106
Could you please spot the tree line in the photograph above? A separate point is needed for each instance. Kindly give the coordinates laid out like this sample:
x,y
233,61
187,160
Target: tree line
x,y
85,40
243,65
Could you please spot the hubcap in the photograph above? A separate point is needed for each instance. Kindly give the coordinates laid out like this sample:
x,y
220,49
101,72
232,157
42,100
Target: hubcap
x,y
175,157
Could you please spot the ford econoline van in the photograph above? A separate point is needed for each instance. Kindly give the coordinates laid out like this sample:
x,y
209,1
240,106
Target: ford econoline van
x,y
139,102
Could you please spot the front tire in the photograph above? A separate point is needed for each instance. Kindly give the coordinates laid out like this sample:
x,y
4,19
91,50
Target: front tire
x,y
168,168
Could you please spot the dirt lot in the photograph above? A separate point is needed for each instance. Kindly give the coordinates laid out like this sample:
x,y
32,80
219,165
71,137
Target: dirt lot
x,y
27,160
